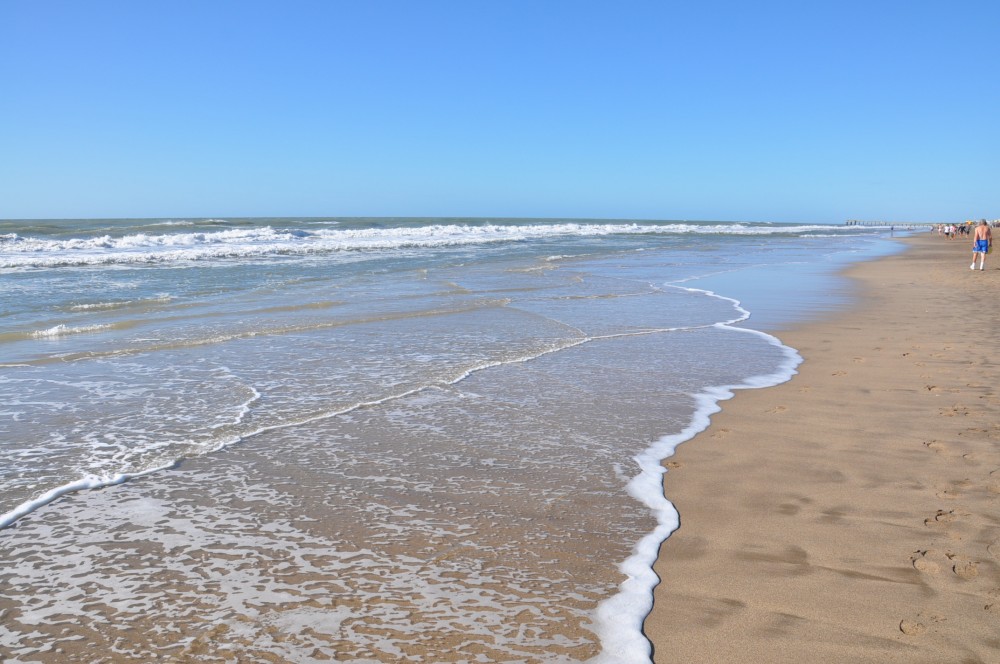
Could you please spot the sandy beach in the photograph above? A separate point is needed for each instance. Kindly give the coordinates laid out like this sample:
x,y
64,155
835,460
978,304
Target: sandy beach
x,y
851,514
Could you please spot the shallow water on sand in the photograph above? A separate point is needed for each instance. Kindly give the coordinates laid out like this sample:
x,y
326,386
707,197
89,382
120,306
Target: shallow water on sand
x,y
485,517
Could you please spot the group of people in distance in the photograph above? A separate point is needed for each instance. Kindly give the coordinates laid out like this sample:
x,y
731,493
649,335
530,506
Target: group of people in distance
x,y
982,238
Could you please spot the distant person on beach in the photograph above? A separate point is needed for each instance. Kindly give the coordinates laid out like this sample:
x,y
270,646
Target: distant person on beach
x,y
982,241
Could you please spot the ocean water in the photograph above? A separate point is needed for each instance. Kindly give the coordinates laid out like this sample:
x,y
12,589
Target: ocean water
x,y
369,440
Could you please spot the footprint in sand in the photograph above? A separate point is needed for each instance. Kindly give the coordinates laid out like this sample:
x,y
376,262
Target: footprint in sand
x,y
777,409
839,373
994,548
912,627
922,564
719,433
967,570
859,360
673,464
942,517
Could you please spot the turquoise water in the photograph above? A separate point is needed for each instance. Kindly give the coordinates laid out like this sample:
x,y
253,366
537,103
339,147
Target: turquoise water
x,y
373,389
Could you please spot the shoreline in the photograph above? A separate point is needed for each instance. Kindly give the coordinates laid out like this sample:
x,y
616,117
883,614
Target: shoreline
x,y
847,514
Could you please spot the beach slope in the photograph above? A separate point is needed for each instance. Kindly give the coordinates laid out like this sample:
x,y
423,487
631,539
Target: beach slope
x,y
851,514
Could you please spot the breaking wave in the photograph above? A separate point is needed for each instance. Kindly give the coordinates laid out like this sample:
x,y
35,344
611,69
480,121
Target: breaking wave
x,y
35,252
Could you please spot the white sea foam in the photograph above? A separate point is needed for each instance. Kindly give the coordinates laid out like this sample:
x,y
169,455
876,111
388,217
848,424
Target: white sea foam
x,y
22,252
179,223
100,306
620,618
90,482
64,330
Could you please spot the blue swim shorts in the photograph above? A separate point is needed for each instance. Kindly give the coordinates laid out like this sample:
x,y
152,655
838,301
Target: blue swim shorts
x,y
981,246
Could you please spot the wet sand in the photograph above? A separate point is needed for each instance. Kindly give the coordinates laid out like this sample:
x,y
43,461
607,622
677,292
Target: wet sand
x,y
851,514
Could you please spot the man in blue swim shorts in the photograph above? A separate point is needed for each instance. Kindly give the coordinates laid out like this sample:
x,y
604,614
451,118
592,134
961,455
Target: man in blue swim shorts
x,y
982,241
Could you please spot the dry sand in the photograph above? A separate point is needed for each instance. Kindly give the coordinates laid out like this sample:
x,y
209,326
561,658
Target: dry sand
x,y
851,514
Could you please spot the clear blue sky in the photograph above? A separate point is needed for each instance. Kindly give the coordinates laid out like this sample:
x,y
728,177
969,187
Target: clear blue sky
x,y
780,111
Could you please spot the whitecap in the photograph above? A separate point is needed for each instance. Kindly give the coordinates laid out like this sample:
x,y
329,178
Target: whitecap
x,y
63,330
